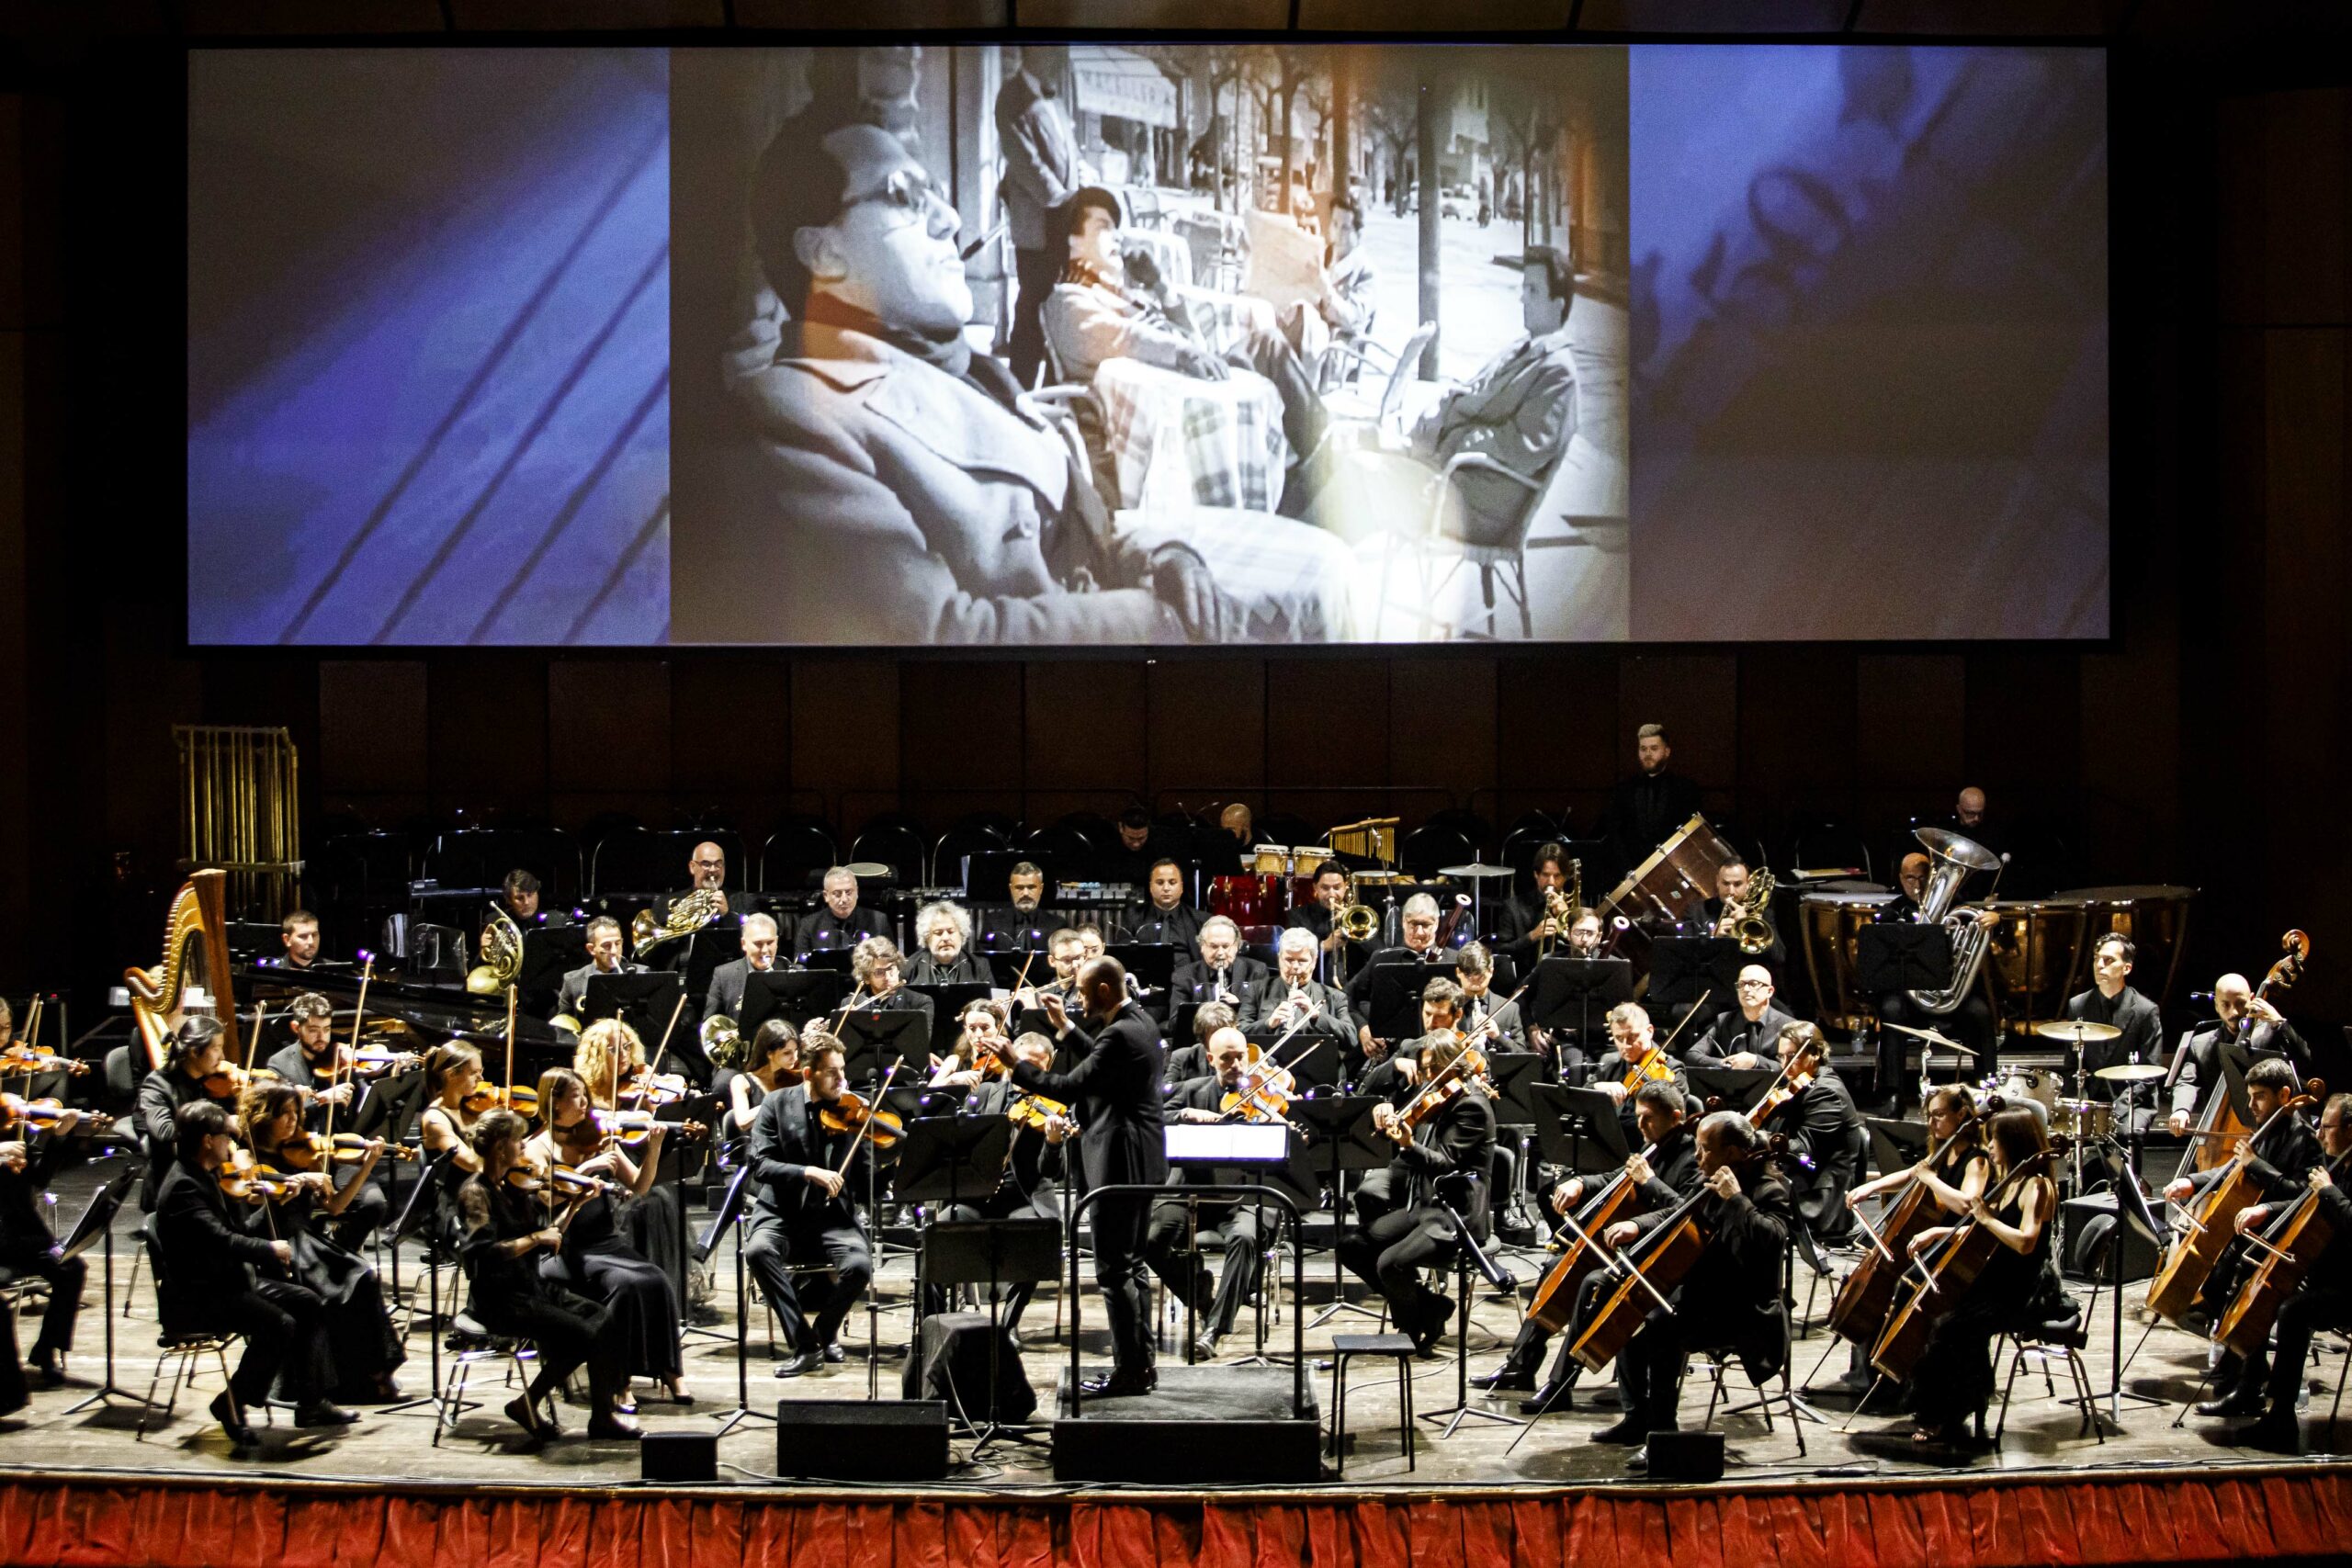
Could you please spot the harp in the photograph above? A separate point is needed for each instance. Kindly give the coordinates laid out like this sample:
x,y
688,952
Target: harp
x,y
196,953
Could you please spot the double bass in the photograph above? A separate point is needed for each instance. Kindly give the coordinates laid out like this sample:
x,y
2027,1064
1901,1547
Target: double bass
x,y
2213,1221
2291,1242
2217,1124
1947,1272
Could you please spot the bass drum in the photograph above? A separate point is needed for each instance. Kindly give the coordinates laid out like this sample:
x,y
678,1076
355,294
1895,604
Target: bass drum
x,y
2036,1089
2156,919
1677,876
2036,952
1832,924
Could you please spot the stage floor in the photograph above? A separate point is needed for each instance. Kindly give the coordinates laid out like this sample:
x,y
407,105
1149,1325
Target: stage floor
x,y
2042,1437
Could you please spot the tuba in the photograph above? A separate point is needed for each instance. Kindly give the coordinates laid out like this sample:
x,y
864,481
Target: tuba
x,y
501,955
687,916
1952,859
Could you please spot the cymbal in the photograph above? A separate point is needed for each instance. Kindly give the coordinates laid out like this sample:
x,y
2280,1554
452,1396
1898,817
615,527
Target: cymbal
x,y
2131,1072
1929,1036
2076,1029
1473,869
868,868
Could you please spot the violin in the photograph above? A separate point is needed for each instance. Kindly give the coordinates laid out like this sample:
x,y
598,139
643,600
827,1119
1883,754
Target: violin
x,y
633,1129
249,1182
522,1099
372,1062
20,1057
2174,1291
1447,1084
1264,1093
852,1113
316,1151
229,1081
46,1112
1032,1110
658,1088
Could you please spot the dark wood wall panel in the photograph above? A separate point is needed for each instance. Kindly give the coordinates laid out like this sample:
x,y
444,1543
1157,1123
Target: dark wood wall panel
x,y
374,736
488,732
1207,724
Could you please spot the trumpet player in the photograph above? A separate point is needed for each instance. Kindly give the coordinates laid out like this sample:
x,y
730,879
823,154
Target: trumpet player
x,y
1294,993
760,940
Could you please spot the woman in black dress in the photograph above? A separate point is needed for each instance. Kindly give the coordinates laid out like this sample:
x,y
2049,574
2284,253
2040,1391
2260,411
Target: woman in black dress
x,y
748,1073
597,1259
2018,1288
358,1329
505,1228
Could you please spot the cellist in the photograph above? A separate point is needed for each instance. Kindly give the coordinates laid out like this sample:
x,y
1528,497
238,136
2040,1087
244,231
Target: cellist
x,y
1731,1298
2325,1298
2283,1151
1955,1172
1667,1176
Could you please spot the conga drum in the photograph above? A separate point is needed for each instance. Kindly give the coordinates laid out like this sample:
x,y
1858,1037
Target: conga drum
x,y
2156,919
2034,956
1831,924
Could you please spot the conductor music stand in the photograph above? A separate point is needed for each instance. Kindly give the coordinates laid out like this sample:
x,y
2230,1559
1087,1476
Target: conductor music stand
x,y
643,1001
1339,1127
943,1158
995,1252
795,995
1562,992
96,1224
875,1039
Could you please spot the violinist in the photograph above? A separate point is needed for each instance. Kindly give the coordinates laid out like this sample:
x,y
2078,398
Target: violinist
x,y
806,1209
980,1035
507,1218
597,1259
1474,972
1731,1298
1114,1093
366,1351
1173,1218
40,1081
1281,1002
454,1105
1396,1075
1827,1139
2325,1298
307,1066
2246,1025
1033,1166
2018,1288
603,934
1444,1160
749,1073
29,1159
2280,1156
215,1277
610,1060
1639,1059
1664,1179
191,1073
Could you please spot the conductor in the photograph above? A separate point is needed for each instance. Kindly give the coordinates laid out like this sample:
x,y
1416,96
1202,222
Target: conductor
x,y
1113,1092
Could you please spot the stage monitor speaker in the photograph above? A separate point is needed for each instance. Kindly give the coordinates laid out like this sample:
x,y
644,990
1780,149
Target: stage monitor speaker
x,y
2088,1223
858,1439
679,1456
1685,1456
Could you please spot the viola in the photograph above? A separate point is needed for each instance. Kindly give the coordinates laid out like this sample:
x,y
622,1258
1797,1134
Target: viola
x,y
20,1057
316,1151
248,1181
1445,1086
853,1114
633,1129
522,1099
1032,1110
565,1182
46,1112
2174,1291
1947,1271
229,1081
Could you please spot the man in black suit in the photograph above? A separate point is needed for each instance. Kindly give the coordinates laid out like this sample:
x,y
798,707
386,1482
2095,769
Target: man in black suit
x,y
1337,959
1209,1220
1474,971
191,1055
1418,920
1524,928
207,1281
1709,918
1645,809
730,979
1748,1035
519,893
1139,848
945,952
1221,972
2197,1070
1444,1163
1824,1128
2112,1000
603,935
706,873
1113,1091
1281,1002
1020,924
806,1209
1164,916
1191,1061
842,924
28,1248
308,1063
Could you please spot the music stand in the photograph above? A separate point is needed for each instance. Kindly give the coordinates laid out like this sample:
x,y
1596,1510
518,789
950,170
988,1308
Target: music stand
x,y
1738,1088
1153,965
729,1216
796,994
1895,1144
995,1252
1685,968
1339,1127
549,953
873,1039
1567,1117
1311,1069
2132,1211
96,1224
1562,992
831,960
1899,956
1514,1075
949,999
643,1001
944,1158
720,941
1395,997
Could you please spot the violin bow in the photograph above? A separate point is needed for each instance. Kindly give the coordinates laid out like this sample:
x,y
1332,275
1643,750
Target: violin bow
x,y
674,1013
866,1125
358,1012
507,1094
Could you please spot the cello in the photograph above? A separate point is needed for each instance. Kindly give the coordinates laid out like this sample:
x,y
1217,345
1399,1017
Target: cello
x,y
1859,1312
2293,1238
2217,1124
1945,1277
2174,1291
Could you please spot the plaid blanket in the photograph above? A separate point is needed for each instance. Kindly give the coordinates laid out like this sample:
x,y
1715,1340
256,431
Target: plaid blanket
x,y
1175,441
1290,580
